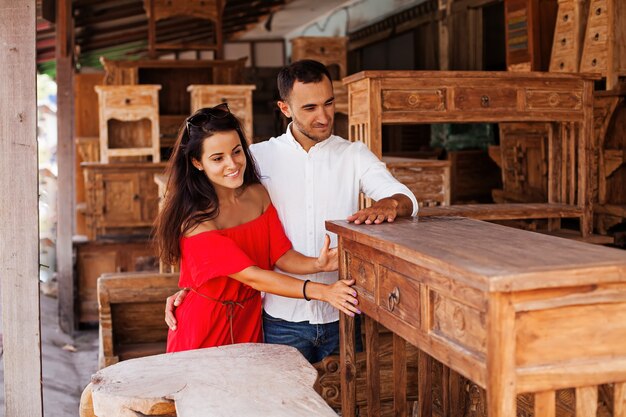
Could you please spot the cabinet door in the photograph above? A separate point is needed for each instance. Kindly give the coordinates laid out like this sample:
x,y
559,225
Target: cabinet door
x,y
524,162
122,199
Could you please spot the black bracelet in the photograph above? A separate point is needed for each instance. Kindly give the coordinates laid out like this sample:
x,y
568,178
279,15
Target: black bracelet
x,y
304,289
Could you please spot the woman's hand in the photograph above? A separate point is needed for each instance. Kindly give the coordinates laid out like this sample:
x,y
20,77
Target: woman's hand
x,y
342,296
329,258
171,303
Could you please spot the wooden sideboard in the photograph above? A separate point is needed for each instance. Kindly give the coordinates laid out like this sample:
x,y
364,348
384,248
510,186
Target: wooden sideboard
x,y
563,100
121,198
514,311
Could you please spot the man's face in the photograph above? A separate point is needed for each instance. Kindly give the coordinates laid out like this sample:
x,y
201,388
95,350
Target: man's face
x,y
311,106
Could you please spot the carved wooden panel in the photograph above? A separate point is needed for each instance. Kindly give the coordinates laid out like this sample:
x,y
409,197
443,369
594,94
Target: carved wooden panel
x,y
121,198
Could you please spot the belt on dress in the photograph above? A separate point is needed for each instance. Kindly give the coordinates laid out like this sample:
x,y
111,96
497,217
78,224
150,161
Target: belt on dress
x,y
230,305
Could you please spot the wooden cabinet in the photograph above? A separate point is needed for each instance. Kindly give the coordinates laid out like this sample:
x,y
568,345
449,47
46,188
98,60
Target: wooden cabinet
x,y
122,198
238,97
129,121
505,308
604,47
107,256
563,100
524,153
428,179
330,51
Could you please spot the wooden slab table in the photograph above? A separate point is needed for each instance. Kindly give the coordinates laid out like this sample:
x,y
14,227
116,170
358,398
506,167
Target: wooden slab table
x,y
237,380
514,311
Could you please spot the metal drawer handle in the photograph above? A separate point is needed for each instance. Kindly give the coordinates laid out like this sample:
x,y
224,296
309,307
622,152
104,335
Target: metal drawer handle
x,y
394,299
484,101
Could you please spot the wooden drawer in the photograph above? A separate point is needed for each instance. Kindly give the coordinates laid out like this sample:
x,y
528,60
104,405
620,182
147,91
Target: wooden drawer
x,y
553,100
407,100
485,99
399,295
133,96
363,272
458,323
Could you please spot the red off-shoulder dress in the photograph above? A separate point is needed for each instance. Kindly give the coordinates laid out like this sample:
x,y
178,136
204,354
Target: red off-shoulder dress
x,y
220,310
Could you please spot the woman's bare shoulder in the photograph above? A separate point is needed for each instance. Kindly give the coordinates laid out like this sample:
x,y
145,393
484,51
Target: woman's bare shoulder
x,y
260,194
205,226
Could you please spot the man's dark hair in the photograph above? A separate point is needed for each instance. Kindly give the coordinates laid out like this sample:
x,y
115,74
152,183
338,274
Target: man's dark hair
x,y
304,71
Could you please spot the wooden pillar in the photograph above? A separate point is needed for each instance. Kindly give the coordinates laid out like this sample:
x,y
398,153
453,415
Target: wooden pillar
x,y
65,160
19,228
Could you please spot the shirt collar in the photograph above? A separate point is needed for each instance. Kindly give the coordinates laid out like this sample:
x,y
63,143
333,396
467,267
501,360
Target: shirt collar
x,y
292,140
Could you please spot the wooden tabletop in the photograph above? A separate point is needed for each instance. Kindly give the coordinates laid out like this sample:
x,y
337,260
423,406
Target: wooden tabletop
x,y
488,256
237,380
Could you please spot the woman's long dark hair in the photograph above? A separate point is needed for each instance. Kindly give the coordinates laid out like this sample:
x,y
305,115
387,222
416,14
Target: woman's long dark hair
x,y
190,197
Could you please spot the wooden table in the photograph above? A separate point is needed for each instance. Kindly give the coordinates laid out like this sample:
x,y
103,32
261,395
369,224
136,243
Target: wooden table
x,y
514,311
565,101
237,380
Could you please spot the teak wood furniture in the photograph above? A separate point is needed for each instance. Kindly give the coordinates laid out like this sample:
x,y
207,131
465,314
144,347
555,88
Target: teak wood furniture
x,y
238,97
133,104
428,179
514,311
330,51
563,100
121,198
250,379
131,315
97,257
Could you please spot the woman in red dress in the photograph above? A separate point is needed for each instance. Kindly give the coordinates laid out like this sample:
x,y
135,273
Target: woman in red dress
x,y
217,220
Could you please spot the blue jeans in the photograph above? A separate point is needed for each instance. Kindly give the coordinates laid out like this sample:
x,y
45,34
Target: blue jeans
x,y
314,341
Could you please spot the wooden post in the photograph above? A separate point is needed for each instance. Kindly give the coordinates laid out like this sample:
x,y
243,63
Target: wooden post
x,y
19,229
65,158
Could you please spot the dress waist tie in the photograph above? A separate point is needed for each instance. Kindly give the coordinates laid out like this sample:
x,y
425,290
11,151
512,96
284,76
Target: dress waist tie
x,y
230,306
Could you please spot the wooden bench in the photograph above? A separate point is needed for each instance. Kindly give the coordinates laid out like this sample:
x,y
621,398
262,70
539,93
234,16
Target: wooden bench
x,y
132,315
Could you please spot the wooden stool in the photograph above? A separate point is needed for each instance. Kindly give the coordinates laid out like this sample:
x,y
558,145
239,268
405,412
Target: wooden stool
x,y
236,380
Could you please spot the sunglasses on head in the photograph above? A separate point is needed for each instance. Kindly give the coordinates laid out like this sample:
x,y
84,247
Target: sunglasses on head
x,y
218,112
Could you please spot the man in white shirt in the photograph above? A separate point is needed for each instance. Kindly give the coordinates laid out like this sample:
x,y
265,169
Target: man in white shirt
x,y
313,176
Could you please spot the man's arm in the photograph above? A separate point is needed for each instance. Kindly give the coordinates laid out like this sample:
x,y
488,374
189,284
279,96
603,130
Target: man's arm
x,y
385,209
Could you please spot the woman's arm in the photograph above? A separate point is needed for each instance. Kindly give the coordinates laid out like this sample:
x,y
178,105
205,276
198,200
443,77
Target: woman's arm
x,y
296,263
339,294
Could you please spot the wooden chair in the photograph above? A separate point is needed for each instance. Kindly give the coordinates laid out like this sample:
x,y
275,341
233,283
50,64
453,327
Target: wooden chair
x,y
131,309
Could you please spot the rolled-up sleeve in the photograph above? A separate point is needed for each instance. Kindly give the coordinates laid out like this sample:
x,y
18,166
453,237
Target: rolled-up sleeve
x,y
376,181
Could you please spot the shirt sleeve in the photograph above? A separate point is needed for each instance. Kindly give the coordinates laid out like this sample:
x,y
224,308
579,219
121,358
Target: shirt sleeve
x,y
211,255
375,181
279,242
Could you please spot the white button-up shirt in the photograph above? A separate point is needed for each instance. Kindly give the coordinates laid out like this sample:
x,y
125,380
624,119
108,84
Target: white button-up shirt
x,y
308,188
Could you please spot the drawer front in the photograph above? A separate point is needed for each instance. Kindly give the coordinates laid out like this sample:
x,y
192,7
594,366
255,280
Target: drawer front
x,y
485,99
553,100
123,99
407,100
458,323
364,273
400,296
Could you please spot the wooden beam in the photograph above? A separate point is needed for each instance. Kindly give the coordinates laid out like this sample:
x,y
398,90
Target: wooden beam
x,y
19,229
65,159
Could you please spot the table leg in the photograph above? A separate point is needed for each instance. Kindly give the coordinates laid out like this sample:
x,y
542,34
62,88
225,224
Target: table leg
x,y
347,364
